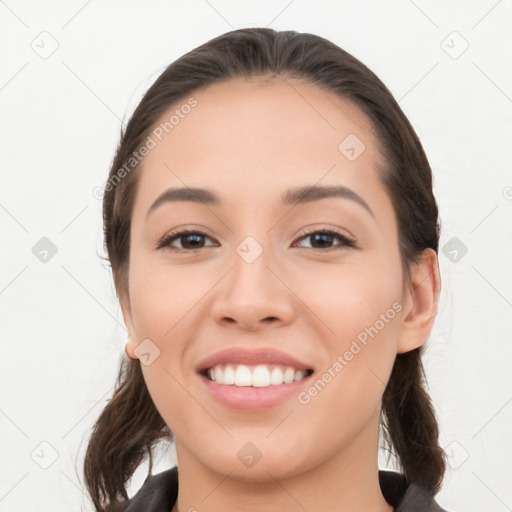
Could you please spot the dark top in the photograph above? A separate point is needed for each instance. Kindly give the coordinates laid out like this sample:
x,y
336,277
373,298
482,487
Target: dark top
x,y
159,493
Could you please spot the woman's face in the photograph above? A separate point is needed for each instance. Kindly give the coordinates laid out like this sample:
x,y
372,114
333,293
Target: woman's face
x,y
258,275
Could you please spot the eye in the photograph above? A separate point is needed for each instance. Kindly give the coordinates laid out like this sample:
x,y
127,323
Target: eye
x,y
324,237
190,240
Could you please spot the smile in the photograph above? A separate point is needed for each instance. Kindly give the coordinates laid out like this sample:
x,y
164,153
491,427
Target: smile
x,y
260,376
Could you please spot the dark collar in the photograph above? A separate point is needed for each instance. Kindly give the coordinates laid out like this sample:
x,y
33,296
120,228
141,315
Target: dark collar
x,y
159,493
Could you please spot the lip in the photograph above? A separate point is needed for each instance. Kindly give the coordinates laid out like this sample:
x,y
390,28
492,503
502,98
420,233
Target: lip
x,y
250,398
239,355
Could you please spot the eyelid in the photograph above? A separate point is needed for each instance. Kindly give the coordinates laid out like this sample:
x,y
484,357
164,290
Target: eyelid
x,y
348,240
315,228
180,231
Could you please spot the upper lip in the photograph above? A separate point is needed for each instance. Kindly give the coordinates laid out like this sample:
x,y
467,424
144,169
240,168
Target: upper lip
x,y
239,355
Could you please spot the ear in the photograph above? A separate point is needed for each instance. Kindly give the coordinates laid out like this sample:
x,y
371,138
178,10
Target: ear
x,y
128,320
420,301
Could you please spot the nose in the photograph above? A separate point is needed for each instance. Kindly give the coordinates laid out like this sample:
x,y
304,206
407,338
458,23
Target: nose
x,y
253,295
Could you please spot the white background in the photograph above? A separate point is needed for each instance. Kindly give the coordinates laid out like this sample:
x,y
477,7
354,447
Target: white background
x,y
62,330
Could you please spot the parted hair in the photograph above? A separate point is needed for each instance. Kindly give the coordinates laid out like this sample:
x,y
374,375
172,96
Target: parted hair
x,y
130,427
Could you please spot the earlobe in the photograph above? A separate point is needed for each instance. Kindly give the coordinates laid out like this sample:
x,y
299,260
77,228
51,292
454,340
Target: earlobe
x,y
127,316
421,299
129,349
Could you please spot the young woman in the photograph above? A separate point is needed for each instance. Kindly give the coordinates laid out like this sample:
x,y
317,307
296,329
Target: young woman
x,y
273,236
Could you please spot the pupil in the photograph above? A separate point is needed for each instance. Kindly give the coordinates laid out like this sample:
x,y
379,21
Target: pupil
x,y
325,237
196,240
193,245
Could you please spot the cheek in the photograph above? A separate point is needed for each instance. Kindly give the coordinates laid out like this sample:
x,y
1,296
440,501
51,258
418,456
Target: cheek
x,y
164,298
165,306
347,390
347,297
357,315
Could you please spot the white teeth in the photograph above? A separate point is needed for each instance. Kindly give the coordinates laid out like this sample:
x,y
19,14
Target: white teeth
x,y
276,376
228,376
299,375
289,374
259,376
243,376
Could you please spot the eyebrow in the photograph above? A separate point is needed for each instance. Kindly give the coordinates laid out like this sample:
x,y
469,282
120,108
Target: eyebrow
x,y
292,196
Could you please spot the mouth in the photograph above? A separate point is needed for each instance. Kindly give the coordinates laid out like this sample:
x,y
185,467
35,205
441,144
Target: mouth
x,y
253,379
257,376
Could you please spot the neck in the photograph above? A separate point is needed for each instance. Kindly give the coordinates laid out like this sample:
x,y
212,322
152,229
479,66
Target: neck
x,y
347,481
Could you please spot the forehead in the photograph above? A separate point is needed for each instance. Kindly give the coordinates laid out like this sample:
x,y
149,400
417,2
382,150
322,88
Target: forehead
x,y
256,136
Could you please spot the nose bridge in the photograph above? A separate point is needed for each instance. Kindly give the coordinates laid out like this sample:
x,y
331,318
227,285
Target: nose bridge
x,y
252,292
251,277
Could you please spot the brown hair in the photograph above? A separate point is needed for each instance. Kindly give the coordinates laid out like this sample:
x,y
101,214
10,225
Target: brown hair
x,y
130,426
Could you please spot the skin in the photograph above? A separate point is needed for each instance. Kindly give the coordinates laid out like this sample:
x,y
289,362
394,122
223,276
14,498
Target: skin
x,y
249,141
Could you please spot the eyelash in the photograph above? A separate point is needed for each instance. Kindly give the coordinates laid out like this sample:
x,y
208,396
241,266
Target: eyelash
x,y
175,235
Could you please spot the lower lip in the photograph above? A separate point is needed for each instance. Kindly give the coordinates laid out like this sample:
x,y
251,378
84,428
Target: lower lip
x,y
252,398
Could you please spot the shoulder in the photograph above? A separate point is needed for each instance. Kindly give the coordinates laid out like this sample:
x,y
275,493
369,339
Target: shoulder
x,y
404,496
157,494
